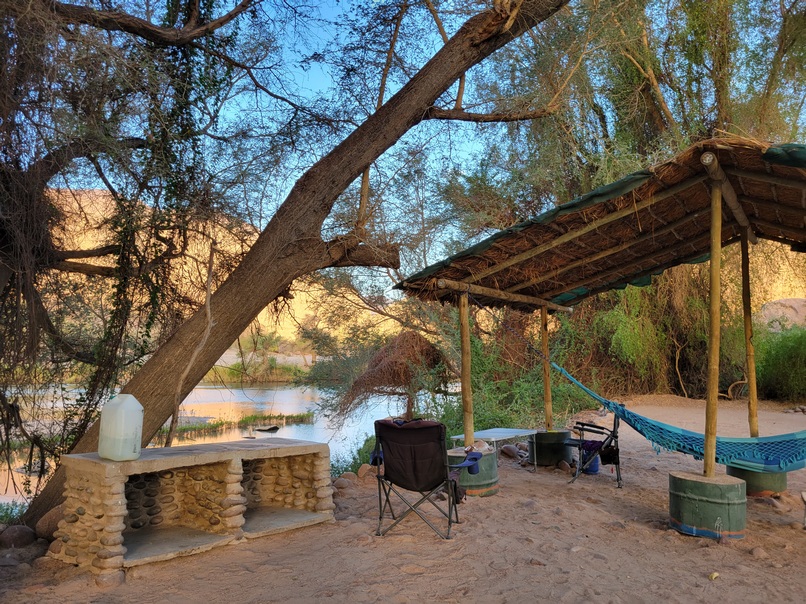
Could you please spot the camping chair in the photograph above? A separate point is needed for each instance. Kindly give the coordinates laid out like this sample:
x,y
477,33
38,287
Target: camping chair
x,y
605,449
412,456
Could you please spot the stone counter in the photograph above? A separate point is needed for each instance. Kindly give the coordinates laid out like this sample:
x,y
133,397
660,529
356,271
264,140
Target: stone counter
x,y
181,500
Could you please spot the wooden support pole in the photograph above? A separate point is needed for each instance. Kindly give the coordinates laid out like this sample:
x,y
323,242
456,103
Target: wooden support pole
x,y
467,392
714,325
752,392
544,342
719,177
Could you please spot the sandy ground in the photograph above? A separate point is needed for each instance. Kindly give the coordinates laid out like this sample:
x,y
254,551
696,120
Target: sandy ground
x,y
539,538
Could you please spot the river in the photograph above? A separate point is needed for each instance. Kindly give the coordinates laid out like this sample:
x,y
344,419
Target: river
x,y
211,403
232,404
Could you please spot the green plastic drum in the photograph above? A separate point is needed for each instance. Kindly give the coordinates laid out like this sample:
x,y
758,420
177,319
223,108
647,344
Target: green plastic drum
x,y
760,484
549,448
483,484
712,507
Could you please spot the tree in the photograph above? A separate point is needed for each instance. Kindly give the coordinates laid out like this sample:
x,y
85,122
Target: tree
x,y
652,76
123,124
99,97
291,245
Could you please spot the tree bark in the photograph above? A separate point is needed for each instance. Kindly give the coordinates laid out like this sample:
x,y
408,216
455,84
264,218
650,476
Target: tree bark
x,y
291,245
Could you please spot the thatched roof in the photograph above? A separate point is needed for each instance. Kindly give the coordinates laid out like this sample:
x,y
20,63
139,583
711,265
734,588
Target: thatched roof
x,y
625,232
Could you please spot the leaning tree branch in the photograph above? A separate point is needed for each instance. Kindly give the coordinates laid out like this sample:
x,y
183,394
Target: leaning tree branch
x,y
249,71
350,250
99,252
111,20
282,252
84,268
435,113
383,256
54,162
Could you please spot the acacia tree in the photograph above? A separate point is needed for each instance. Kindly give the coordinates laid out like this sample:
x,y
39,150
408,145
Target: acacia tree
x,y
653,76
292,245
104,99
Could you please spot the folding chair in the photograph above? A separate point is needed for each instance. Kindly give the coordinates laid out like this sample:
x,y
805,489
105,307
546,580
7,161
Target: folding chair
x,y
412,456
605,449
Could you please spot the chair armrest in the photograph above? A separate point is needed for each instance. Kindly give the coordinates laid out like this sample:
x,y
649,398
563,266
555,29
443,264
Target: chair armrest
x,y
582,427
587,425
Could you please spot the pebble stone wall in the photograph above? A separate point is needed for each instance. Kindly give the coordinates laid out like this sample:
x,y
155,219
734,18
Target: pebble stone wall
x,y
101,510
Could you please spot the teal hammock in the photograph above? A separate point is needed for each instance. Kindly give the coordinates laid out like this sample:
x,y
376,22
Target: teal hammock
x,y
780,453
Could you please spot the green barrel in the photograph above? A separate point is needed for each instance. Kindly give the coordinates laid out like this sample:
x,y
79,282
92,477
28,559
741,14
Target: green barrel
x,y
760,484
549,448
483,484
712,507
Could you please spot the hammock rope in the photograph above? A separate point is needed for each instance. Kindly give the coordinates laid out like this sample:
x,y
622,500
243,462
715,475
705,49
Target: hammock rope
x,y
779,453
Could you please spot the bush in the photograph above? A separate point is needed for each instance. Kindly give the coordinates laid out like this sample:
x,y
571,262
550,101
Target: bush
x,y
781,365
11,512
340,464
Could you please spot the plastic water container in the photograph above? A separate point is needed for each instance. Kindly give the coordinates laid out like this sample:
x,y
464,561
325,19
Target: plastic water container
x,y
121,428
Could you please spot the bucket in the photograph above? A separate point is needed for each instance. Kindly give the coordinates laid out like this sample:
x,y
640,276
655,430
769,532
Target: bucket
x,y
760,484
483,484
121,428
712,507
548,448
593,467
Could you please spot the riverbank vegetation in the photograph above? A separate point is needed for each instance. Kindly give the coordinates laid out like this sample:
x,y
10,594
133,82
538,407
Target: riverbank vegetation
x,y
190,428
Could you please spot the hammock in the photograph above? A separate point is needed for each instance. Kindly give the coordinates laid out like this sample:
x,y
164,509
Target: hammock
x,y
780,453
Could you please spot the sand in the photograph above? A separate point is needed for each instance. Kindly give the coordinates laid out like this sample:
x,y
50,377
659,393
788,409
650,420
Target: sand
x,y
540,538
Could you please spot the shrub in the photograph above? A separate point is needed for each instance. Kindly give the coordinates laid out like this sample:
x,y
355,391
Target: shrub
x,y
781,364
11,512
339,464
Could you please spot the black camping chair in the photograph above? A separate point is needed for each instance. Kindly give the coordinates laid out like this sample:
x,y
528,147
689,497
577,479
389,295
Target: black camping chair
x,y
606,449
412,456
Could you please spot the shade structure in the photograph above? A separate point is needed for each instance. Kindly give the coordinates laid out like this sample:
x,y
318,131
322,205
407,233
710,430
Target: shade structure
x,y
625,232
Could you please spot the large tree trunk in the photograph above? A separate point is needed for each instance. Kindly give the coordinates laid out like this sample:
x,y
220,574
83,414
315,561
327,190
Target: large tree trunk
x,y
291,244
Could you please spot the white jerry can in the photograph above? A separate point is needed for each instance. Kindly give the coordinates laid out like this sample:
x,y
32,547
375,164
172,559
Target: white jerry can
x,y
121,428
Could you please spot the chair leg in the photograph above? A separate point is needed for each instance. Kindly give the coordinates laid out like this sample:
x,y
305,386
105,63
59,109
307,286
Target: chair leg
x,y
384,502
415,508
579,463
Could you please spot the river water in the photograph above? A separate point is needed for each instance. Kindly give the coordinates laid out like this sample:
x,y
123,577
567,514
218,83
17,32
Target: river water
x,y
212,403
232,404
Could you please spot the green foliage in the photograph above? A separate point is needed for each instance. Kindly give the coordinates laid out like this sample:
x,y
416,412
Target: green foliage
x,y
257,363
11,512
505,395
341,359
339,464
636,340
781,365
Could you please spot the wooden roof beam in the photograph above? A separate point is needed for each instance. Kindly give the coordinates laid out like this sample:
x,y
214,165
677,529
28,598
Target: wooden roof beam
x,y
629,267
782,228
620,248
795,246
656,269
571,235
717,175
768,178
448,284
780,207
